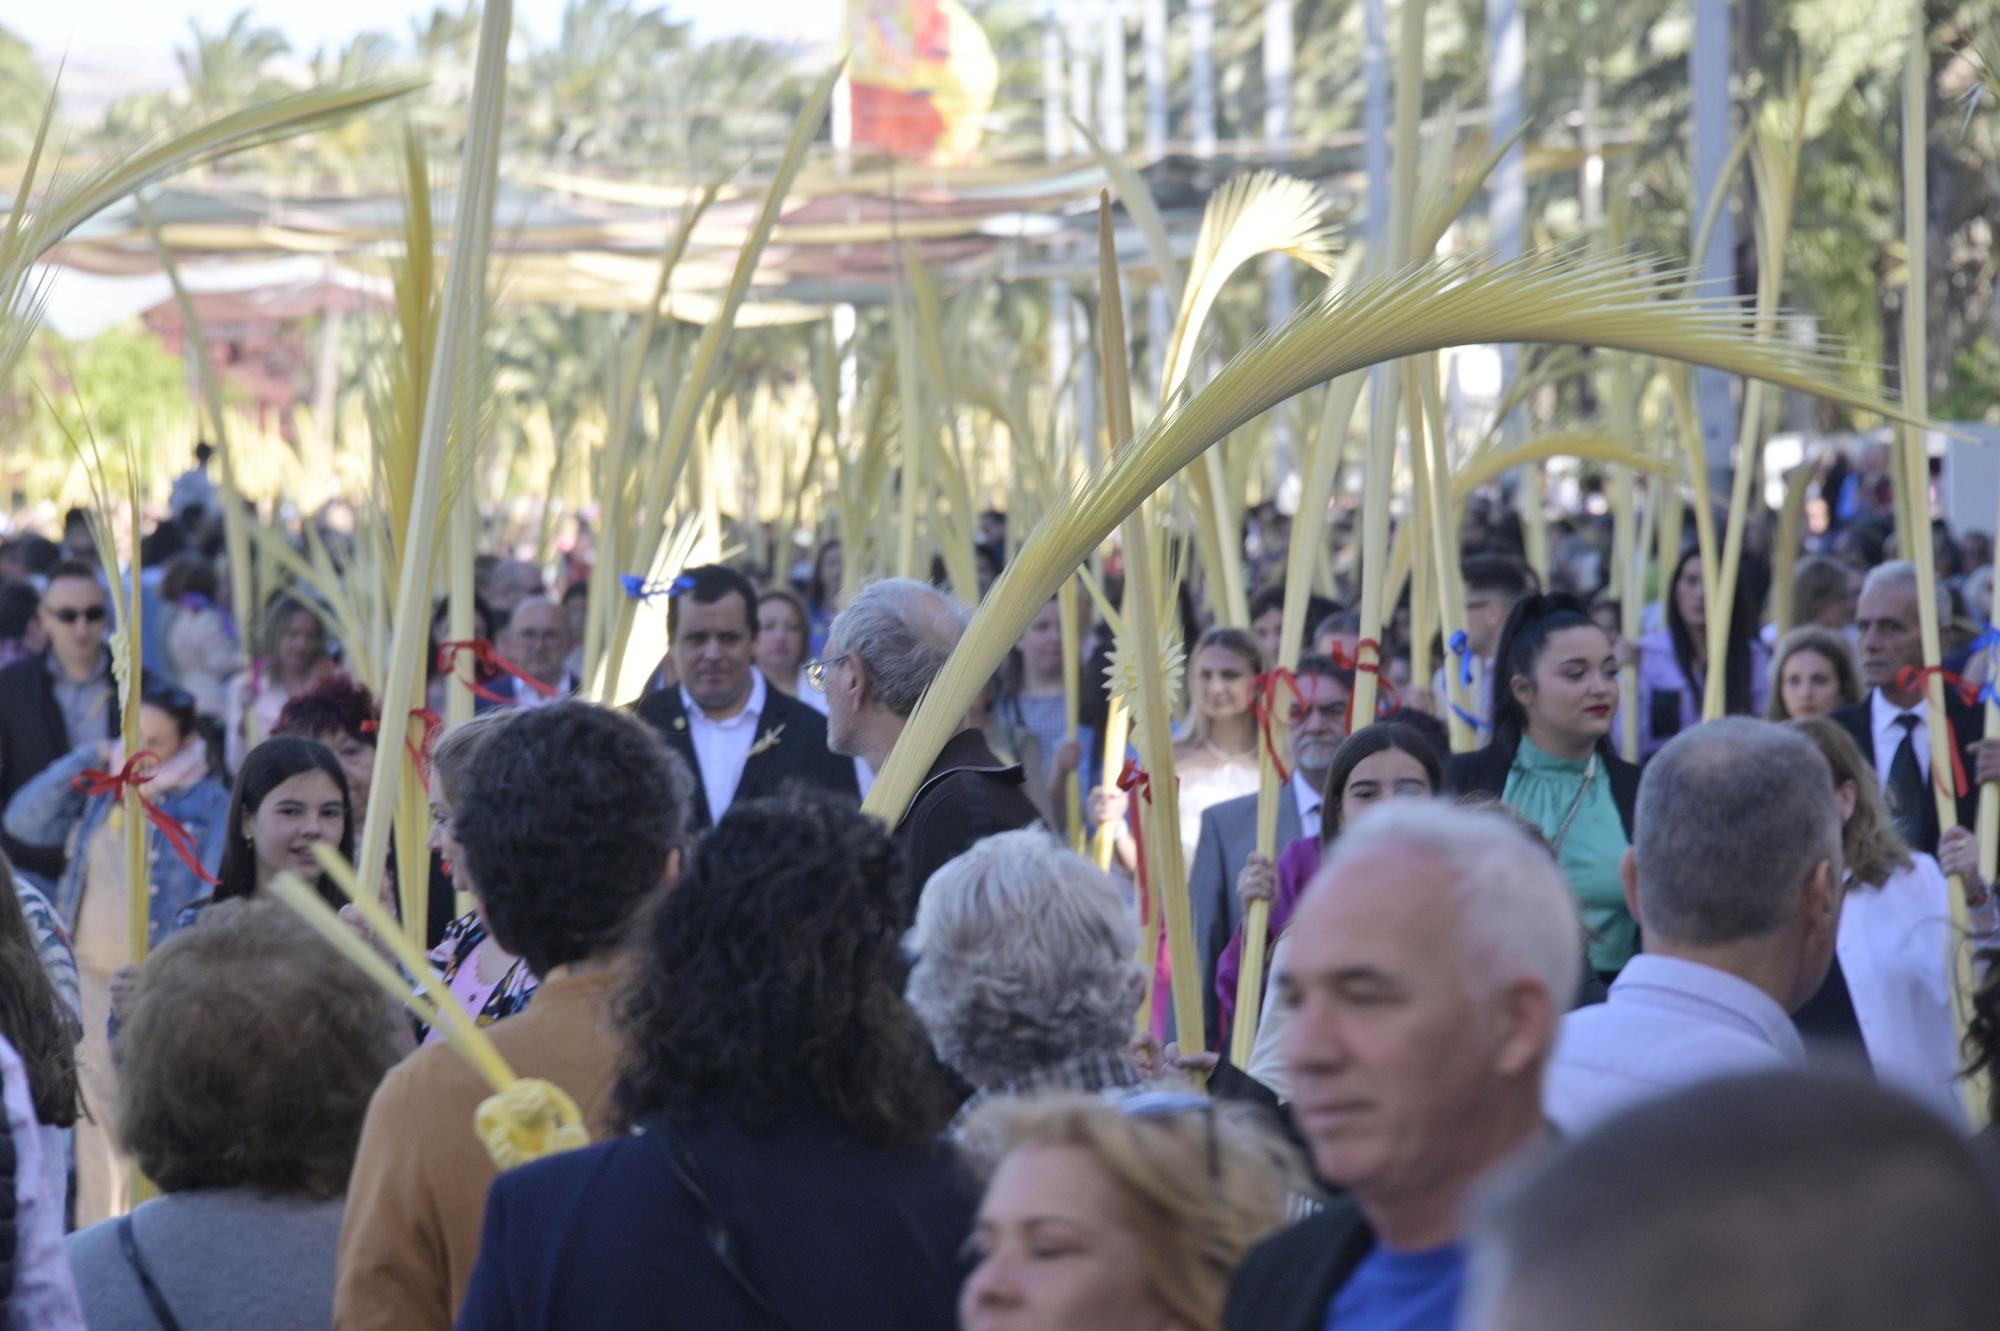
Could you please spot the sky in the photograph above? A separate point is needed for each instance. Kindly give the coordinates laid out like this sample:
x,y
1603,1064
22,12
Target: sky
x,y
144,32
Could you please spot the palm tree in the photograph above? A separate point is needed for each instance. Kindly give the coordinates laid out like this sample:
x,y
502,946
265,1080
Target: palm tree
x,y
24,93
224,71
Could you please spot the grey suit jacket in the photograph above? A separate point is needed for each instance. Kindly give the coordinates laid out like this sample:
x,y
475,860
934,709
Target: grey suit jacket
x,y
1228,835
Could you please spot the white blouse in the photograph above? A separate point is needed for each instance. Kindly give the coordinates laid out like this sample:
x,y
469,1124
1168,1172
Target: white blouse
x,y
1894,951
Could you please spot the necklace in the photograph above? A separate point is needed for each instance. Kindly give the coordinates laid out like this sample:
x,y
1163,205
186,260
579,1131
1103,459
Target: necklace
x,y
1223,755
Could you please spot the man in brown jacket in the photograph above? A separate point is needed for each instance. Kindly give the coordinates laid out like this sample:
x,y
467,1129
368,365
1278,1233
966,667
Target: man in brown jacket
x,y
572,815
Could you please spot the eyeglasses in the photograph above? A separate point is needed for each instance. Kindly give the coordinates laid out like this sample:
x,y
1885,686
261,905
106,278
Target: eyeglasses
x,y
90,614
1172,1104
816,670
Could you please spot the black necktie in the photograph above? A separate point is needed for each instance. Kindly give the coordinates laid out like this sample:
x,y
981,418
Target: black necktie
x,y
1909,797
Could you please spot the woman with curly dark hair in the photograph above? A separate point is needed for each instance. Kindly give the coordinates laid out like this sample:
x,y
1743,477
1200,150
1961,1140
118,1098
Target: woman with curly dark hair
x,y
781,1165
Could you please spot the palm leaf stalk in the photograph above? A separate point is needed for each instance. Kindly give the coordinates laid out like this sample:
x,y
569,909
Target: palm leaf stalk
x,y
1779,143
456,333
1625,559
677,433
1572,301
1249,217
1322,466
1382,403
126,650
1067,606
1915,479
236,540
32,230
1791,524
1445,553
614,486
1160,814
524,1119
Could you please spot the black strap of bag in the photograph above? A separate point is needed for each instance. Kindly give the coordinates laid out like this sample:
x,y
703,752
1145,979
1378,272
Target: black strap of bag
x,y
723,1239
154,1299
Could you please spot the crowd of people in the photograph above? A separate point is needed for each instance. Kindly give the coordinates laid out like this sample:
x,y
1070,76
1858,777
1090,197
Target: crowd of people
x,y
1555,1036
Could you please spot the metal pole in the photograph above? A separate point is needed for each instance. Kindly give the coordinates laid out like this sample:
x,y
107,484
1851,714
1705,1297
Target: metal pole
x,y
1710,60
1201,74
1506,40
1280,285
1153,39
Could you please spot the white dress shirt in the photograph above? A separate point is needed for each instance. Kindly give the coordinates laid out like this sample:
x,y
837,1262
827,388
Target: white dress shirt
x,y
1667,1024
1308,802
1892,946
1882,716
722,747
527,695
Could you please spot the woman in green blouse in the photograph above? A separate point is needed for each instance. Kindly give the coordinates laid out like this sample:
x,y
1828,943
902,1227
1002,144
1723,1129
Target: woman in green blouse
x,y
1555,691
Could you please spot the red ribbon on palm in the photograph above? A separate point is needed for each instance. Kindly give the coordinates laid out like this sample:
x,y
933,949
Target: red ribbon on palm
x,y
1368,657
420,754
1264,702
92,782
1910,679
489,659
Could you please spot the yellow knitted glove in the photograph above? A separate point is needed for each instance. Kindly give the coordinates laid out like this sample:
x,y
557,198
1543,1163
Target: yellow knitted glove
x,y
530,1119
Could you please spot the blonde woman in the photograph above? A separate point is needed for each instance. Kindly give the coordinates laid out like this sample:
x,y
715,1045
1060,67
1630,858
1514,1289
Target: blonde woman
x,y
1890,988
1812,673
1119,1216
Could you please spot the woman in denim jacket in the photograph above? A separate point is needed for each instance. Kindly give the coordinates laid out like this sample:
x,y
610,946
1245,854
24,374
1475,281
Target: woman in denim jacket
x,y
91,898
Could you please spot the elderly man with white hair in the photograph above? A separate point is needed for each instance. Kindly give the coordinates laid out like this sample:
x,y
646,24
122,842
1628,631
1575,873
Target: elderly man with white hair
x,y
1429,967
1892,724
1027,973
882,652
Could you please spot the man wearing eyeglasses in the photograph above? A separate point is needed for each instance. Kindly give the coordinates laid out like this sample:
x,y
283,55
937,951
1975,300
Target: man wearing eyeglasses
x,y
59,700
1317,723
537,639
882,653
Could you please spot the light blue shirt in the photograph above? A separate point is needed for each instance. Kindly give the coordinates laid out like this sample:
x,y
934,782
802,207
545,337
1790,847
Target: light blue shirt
x,y
1668,1024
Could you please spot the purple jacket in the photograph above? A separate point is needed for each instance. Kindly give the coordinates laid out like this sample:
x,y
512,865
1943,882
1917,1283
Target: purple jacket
x,y
1297,863
1670,703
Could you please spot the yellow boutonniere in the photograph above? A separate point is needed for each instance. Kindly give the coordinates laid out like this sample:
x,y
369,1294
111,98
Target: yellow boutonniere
x,y
767,740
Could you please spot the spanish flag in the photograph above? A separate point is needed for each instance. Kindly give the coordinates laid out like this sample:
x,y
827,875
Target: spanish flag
x,y
923,78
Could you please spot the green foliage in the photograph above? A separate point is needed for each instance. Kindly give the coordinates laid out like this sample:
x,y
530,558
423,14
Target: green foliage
x,y
1973,393
23,94
132,386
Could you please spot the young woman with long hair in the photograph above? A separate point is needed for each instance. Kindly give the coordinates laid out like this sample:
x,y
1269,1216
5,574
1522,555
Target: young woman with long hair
x,y
291,657
1388,760
1673,660
1812,673
1555,691
1217,760
290,796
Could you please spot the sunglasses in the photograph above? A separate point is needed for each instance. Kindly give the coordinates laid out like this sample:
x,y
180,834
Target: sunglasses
x,y
90,614
1154,1105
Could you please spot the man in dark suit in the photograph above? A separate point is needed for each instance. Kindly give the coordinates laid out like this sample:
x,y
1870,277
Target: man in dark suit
x,y
1892,724
1424,981
59,699
882,653
741,737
